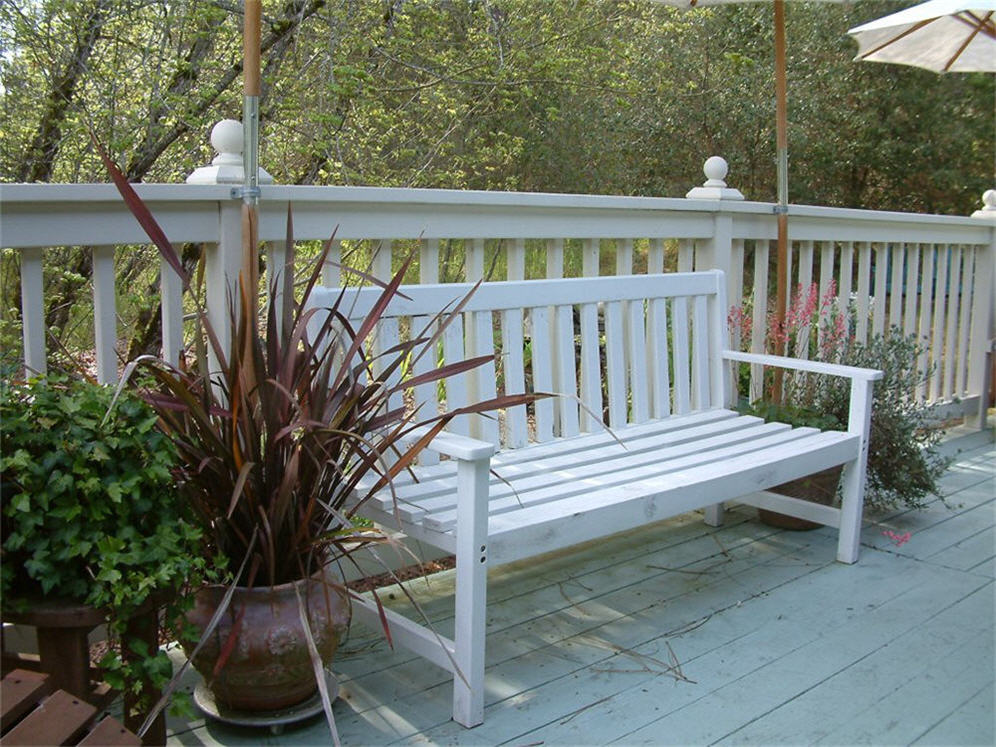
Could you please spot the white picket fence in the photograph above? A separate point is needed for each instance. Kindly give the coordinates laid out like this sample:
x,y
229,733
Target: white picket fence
x,y
931,275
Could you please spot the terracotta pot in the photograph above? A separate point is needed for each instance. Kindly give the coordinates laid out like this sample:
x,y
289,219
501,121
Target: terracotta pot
x,y
269,666
819,488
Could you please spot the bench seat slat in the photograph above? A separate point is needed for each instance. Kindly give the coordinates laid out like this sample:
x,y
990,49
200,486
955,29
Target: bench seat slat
x,y
440,479
516,480
601,512
565,481
670,428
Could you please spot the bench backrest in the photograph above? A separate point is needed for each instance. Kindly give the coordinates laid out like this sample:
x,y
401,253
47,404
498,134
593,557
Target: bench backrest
x,y
620,349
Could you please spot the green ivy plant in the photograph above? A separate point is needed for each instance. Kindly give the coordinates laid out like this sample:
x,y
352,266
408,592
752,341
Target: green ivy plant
x,y
90,513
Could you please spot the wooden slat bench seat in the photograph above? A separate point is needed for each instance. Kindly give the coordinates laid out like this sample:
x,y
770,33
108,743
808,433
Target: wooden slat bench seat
x,y
641,430
32,714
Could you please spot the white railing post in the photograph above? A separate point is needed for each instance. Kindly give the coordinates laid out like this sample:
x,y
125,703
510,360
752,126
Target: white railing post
x,y
223,260
717,252
983,343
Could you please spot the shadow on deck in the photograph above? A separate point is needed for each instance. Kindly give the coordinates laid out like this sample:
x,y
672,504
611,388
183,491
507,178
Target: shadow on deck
x,y
683,634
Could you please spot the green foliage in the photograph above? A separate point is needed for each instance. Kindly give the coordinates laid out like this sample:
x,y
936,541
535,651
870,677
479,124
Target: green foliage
x,y
89,509
904,464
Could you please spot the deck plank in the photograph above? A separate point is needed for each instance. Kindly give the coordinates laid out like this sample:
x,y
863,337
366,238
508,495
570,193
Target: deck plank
x,y
973,717
889,695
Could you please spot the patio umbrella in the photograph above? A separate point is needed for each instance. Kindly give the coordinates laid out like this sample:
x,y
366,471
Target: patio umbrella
x,y
781,137
956,36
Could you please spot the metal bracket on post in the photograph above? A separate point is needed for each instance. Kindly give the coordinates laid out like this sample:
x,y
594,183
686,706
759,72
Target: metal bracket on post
x,y
780,209
245,193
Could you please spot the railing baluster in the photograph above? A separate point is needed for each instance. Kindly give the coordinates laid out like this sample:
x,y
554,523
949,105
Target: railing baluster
x,y
964,318
951,329
896,295
927,285
590,258
864,290
937,339
912,284
331,270
846,273
474,259
686,255
655,256
805,284
879,300
171,292
555,258
428,262
624,256
33,311
516,259
105,327
759,323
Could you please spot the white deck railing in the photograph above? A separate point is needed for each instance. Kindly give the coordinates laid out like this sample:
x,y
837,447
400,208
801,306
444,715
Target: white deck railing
x,y
929,274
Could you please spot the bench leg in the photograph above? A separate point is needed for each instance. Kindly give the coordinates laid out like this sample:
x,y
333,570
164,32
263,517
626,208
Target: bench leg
x,y
714,515
471,591
853,479
852,499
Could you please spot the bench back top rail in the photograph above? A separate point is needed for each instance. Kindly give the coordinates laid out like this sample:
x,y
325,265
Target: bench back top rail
x,y
616,350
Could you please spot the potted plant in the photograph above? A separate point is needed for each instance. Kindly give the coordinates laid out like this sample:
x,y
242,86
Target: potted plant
x,y
90,518
903,463
274,439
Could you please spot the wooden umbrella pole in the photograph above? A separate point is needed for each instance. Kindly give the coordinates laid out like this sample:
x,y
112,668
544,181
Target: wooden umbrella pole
x,y
781,210
250,123
249,273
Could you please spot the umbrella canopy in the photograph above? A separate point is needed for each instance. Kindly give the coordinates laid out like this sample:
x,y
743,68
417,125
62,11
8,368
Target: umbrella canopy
x,y
939,35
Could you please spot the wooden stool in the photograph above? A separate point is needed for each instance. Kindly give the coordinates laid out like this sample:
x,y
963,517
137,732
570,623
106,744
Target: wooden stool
x,y
29,715
63,629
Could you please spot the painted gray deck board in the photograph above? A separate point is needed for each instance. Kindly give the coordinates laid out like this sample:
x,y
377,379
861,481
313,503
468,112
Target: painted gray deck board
x,y
974,718
780,644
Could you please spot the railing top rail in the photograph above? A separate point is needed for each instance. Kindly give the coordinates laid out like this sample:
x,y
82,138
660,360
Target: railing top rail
x,y
57,214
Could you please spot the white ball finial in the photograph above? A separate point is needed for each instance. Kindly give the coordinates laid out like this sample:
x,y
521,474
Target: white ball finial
x,y
715,169
989,206
226,138
226,167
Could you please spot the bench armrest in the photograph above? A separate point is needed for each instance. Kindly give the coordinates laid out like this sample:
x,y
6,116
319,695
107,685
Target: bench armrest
x,y
800,364
456,446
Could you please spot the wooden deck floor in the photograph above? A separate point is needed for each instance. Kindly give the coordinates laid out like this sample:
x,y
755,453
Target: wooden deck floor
x,y
682,634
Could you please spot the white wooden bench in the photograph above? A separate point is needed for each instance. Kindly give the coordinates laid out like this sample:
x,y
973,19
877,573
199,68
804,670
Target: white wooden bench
x,y
649,352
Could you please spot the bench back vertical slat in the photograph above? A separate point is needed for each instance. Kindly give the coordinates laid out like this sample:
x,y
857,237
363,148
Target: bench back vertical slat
x,y
483,378
566,382
387,338
513,375
637,347
722,383
542,364
679,352
426,394
456,386
700,354
590,364
657,354
615,362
